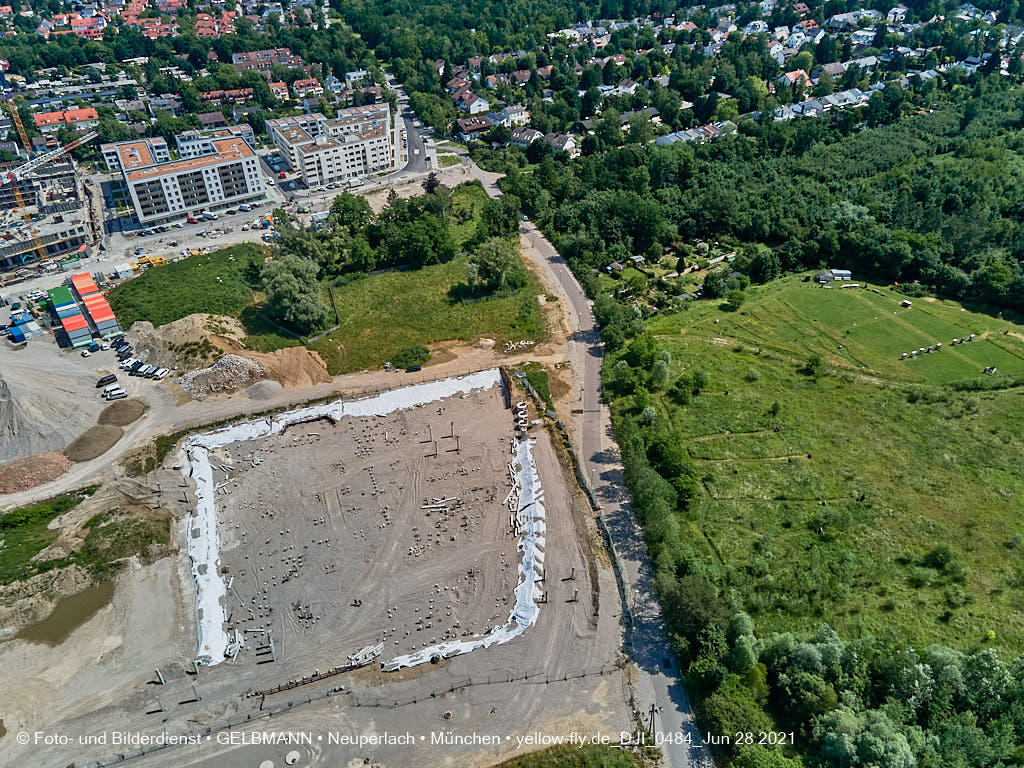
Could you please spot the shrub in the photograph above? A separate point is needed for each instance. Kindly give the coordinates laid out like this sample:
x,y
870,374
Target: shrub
x,y
410,356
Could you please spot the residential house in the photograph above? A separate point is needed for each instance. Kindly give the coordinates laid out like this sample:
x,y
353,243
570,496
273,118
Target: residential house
x,y
897,14
308,87
468,128
794,77
212,119
524,137
78,119
562,142
468,101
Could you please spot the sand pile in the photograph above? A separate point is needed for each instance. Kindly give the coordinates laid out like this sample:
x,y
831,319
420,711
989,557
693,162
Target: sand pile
x,y
40,409
263,390
187,343
94,442
121,413
22,474
229,373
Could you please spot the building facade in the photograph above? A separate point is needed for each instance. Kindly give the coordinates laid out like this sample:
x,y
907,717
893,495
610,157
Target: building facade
x,y
360,141
227,174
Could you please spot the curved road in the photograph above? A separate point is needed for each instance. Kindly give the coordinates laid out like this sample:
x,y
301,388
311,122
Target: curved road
x,y
659,684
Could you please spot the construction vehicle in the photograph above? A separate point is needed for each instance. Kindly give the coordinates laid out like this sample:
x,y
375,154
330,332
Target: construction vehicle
x,y
24,170
151,261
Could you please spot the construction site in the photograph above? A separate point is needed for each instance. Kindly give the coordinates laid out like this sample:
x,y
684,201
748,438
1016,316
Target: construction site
x,y
44,209
418,561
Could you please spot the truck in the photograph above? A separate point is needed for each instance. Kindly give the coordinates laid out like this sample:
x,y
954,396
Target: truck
x,y
93,347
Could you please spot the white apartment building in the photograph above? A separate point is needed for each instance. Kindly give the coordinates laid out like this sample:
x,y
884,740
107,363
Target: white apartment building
x,y
156,147
199,143
227,175
360,141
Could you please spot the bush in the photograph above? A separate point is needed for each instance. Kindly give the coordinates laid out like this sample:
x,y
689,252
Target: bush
x,y
410,356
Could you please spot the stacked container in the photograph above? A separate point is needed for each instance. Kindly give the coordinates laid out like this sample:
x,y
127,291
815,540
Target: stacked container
x,y
71,318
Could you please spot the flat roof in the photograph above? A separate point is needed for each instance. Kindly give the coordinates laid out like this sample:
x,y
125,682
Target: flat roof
x,y
135,154
74,322
84,284
227,150
60,296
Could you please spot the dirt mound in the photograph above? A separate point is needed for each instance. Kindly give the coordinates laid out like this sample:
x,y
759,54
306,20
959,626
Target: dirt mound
x,y
95,442
121,413
188,343
290,367
22,474
229,373
263,390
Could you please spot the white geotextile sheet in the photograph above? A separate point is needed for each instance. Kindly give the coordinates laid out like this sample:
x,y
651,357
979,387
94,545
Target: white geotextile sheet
x,y
531,567
201,527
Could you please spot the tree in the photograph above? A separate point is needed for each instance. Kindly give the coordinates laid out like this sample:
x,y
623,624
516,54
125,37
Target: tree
x,y
497,265
431,183
765,266
351,211
499,217
293,293
735,299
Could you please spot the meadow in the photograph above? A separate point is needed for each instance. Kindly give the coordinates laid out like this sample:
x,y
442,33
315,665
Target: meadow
x,y
385,313
869,495
861,329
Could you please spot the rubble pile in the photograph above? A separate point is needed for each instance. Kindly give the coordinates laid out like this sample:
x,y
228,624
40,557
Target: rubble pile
x,y
229,373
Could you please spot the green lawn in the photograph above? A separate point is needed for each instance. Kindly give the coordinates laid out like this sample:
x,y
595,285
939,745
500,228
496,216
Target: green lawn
x,y
820,497
448,160
385,313
218,283
861,329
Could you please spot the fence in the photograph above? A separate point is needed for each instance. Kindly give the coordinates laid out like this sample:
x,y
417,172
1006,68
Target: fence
x,y
267,713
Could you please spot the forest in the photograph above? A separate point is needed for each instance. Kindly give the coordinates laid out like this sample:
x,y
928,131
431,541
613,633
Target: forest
x,y
932,199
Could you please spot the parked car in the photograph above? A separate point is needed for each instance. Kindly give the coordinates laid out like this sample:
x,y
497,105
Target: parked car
x,y
86,353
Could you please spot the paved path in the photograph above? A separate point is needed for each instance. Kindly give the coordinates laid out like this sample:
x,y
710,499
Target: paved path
x,y
659,682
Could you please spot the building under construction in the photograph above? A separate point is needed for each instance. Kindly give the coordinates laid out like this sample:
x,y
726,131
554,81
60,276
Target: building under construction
x,y
53,200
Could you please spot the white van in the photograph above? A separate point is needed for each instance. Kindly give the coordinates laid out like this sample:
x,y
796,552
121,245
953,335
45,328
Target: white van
x,y
114,394
161,373
110,388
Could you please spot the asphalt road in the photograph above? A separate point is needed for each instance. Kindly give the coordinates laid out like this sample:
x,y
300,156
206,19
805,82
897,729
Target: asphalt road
x,y
660,685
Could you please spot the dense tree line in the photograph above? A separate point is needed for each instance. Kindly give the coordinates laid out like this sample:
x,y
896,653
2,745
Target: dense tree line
x,y
933,198
831,702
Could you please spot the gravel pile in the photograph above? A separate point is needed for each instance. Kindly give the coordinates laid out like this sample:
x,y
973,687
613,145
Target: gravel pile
x,y
229,373
22,474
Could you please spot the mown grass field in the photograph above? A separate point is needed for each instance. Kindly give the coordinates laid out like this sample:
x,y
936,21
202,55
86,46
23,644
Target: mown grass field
x,y
826,498
863,329
385,313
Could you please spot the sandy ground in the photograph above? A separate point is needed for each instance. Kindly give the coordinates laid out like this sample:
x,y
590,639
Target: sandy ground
x,y
99,679
43,398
